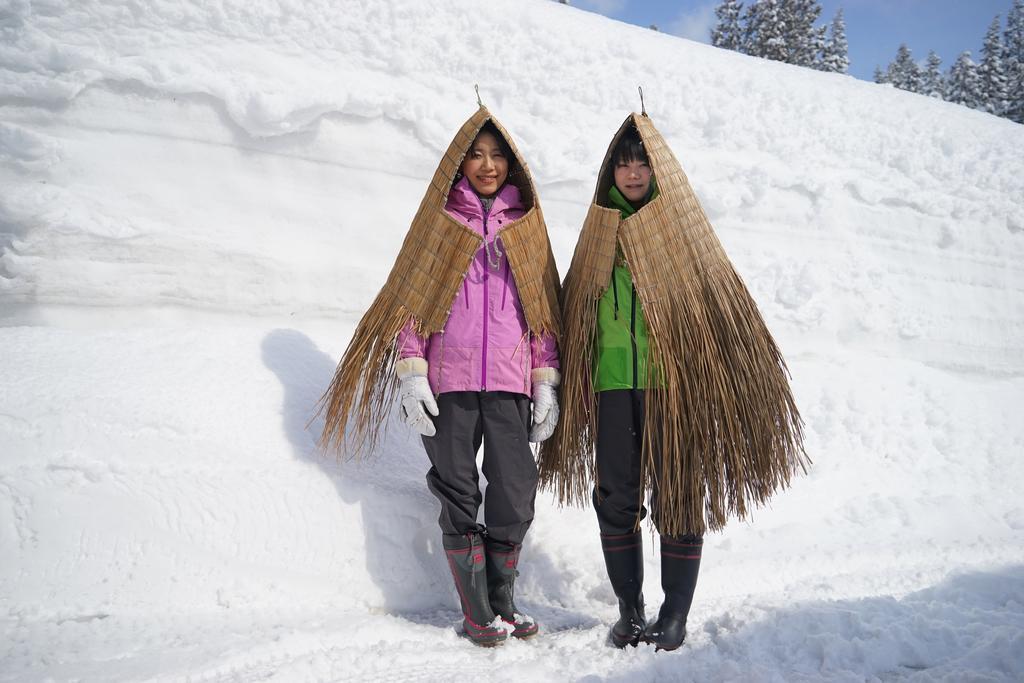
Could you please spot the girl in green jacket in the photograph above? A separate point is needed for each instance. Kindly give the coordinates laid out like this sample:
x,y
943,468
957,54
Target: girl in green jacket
x,y
672,383
620,379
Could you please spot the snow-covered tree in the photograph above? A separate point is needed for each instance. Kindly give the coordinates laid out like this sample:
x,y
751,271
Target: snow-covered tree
x,y
748,29
933,84
1013,61
880,76
780,30
991,73
904,72
835,54
727,32
764,31
804,41
962,83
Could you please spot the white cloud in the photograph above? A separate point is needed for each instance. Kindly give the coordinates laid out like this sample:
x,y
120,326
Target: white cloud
x,y
694,23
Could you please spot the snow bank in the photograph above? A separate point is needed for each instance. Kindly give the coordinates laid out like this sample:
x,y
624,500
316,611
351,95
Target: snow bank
x,y
199,199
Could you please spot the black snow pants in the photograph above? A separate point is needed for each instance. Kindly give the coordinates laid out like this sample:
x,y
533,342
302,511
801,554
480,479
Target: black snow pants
x,y
501,420
618,496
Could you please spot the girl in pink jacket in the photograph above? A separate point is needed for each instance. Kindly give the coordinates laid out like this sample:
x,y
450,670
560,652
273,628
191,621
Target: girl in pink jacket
x,y
484,378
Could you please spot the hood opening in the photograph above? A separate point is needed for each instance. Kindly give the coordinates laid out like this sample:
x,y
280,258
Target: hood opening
x,y
518,174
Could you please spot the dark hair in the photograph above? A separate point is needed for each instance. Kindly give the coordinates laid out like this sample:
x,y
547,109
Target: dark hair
x,y
503,145
629,148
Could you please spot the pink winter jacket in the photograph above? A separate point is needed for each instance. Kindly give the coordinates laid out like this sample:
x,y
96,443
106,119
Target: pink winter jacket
x,y
485,344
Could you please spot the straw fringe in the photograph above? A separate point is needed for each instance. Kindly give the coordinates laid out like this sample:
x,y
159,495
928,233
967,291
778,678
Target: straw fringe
x,y
429,269
363,384
431,265
718,407
564,461
533,265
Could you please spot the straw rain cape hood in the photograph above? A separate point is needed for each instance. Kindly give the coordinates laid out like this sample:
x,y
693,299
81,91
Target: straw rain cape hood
x,y
422,285
719,408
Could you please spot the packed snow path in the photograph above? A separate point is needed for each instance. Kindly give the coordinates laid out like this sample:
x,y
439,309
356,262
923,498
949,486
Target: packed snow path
x,y
197,202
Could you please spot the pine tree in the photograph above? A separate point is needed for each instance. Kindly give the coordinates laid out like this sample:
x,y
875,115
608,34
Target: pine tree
x,y
1013,61
764,31
904,73
804,42
880,76
932,82
963,86
748,29
752,20
835,54
727,32
991,73
780,30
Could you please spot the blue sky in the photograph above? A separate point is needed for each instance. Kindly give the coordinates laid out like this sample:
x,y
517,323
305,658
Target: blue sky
x,y
874,28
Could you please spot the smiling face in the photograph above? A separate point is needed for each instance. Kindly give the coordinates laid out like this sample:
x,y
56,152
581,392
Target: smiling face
x,y
633,178
486,165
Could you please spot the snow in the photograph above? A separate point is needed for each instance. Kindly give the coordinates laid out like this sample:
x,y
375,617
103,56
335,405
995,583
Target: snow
x,y
199,199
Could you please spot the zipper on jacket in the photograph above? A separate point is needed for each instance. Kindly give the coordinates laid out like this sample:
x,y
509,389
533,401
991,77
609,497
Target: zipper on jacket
x,y
632,333
483,350
615,297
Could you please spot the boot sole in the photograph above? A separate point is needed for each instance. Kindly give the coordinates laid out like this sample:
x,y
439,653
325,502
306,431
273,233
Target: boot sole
x,y
621,643
525,636
488,638
659,647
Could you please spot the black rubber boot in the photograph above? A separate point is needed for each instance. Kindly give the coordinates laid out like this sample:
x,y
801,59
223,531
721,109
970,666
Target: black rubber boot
x,y
502,560
680,563
466,560
624,559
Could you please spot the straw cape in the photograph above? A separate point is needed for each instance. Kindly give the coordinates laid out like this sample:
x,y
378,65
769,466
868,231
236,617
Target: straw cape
x,y
422,285
719,407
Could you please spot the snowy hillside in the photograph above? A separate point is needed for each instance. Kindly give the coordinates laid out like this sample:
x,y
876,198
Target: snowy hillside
x,y
199,199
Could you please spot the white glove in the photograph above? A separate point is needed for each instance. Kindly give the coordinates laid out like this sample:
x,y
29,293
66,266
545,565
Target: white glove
x,y
416,397
545,403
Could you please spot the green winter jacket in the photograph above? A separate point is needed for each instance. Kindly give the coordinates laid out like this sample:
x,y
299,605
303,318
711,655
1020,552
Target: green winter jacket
x,y
620,361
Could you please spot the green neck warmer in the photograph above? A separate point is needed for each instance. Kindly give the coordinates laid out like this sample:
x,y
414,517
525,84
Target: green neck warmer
x,y
618,201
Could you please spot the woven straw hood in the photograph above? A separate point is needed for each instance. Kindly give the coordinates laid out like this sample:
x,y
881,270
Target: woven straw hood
x,y
422,285
720,408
